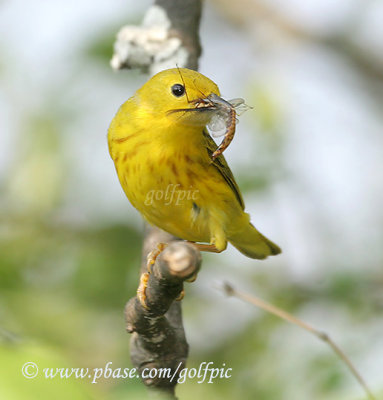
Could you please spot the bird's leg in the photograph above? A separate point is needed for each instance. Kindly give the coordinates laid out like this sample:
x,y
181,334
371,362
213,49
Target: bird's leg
x,y
151,259
210,248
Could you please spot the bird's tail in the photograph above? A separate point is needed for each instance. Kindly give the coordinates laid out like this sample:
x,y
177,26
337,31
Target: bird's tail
x,y
253,244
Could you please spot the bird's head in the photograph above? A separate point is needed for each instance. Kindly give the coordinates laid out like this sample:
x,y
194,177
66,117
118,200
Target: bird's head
x,y
181,96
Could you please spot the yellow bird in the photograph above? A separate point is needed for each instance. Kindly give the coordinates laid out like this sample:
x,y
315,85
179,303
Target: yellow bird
x,y
163,156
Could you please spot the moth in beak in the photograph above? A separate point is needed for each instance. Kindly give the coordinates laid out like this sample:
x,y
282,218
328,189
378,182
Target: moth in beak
x,y
223,119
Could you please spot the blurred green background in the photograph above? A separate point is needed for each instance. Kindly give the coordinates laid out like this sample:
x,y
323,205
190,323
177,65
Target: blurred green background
x,y
308,158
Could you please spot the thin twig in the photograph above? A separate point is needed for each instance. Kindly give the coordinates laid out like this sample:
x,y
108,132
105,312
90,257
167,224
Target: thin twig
x,y
230,291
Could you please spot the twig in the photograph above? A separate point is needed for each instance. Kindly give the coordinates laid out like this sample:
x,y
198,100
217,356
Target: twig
x,y
230,291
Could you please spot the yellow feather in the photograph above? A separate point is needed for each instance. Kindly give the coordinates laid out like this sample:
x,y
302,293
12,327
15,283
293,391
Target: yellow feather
x,y
163,161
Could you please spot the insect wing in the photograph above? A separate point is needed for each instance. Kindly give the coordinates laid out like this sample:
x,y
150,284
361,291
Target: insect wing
x,y
236,102
219,123
239,105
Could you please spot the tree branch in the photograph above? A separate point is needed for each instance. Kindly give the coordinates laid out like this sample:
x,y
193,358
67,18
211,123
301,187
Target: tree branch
x,y
168,37
158,339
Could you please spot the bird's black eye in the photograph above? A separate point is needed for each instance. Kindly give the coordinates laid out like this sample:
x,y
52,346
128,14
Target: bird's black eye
x,y
178,90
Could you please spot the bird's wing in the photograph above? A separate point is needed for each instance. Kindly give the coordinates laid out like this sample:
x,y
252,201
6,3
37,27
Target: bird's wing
x,y
221,165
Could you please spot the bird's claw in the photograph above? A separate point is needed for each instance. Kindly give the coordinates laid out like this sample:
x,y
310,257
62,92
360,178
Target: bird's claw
x,y
141,291
144,278
181,295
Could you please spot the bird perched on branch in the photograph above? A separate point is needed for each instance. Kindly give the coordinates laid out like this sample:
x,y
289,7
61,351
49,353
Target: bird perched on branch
x,y
171,169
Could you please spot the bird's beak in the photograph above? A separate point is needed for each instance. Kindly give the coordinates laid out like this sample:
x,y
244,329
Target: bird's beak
x,y
202,110
218,102
212,103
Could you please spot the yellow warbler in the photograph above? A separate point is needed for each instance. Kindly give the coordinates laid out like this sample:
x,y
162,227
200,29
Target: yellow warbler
x,y
163,157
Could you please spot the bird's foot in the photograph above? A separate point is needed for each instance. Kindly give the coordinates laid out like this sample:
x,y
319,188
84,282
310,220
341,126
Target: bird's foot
x,y
152,256
144,278
181,295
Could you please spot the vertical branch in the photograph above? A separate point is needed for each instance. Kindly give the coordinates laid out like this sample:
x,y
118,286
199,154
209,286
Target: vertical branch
x,y
168,37
185,17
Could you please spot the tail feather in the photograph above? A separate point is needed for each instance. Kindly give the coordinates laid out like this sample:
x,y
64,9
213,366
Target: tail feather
x,y
253,244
